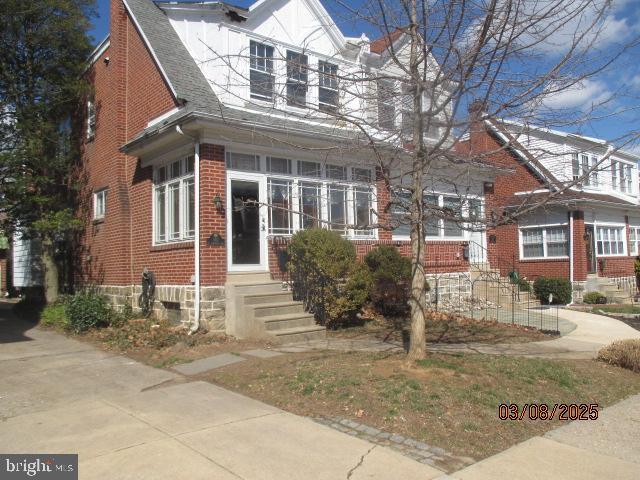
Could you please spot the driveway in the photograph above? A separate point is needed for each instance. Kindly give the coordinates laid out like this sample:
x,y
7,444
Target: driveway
x,y
130,421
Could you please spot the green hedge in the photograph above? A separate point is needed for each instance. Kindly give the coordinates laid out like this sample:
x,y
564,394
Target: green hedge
x,y
88,310
559,287
327,276
391,275
594,298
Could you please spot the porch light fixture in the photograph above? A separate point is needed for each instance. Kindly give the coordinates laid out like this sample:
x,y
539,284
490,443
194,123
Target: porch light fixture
x,y
217,201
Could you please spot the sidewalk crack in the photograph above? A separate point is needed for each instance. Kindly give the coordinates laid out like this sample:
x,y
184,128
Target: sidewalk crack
x,y
360,462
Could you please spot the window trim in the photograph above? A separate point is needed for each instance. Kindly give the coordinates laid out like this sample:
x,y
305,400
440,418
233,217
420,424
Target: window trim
x,y
269,72
322,75
91,119
349,183
636,250
96,195
544,241
303,70
185,181
616,226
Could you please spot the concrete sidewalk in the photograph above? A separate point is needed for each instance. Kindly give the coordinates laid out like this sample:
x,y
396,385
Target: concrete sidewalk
x,y
130,421
608,447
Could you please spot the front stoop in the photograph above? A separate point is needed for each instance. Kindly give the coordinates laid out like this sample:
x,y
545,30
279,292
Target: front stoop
x,y
608,288
259,308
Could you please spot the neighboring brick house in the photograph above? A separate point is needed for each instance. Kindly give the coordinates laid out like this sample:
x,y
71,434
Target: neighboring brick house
x,y
167,148
584,218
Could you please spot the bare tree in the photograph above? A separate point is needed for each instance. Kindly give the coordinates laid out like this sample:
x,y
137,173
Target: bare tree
x,y
403,100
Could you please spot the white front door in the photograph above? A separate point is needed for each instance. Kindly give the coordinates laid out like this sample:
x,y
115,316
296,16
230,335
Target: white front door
x,y
246,222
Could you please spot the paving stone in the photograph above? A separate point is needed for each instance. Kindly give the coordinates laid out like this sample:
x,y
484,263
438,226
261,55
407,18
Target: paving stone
x,y
397,438
371,431
361,428
260,353
209,363
384,435
410,442
422,446
438,451
424,454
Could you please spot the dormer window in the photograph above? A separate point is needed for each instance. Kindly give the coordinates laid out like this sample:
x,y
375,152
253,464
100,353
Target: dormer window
x,y
328,87
261,77
297,76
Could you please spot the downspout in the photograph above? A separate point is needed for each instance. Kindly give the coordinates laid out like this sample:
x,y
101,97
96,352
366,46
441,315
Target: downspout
x,y
196,261
571,252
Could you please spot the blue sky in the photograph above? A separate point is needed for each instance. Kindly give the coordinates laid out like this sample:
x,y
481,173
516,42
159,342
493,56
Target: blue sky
x,y
620,83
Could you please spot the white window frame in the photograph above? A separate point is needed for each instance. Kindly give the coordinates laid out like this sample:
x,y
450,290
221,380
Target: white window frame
x,y
352,181
441,235
262,70
183,181
91,119
328,81
301,80
634,243
611,227
545,255
100,204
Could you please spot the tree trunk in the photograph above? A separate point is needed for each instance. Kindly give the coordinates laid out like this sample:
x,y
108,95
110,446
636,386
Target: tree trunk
x,y
418,300
50,277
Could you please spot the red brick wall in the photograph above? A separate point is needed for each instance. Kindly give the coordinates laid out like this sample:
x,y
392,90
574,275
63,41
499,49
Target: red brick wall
x,y
128,91
213,263
440,257
580,266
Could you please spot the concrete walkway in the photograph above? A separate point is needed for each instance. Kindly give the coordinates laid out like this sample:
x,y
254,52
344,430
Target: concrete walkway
x,y
130,421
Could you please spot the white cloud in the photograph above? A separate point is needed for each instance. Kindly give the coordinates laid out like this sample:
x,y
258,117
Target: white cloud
x,y
581,96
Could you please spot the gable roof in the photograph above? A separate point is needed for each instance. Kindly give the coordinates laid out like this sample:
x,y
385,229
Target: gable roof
x,y
529,160
183,76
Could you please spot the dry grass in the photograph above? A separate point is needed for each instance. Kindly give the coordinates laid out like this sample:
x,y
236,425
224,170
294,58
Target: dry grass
x,y
450,401
623,353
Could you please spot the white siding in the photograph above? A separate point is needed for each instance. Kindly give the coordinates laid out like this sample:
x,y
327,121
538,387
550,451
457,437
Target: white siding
x,y
27,271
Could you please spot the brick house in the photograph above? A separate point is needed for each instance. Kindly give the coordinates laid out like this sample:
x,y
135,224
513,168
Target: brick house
x,y
190,172
584,220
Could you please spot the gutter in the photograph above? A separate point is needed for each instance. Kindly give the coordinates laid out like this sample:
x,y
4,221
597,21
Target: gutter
x,y
196,260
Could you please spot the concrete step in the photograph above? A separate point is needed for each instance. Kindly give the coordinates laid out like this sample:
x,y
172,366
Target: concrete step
x,y
277,308
301,334
245,277
257,287
288,321
270,297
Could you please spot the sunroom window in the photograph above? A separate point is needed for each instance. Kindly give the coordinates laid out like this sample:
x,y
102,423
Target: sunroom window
x,y
261,77
363,211
400,213
280,206
338,208
174,192
310,204
634,240
610,240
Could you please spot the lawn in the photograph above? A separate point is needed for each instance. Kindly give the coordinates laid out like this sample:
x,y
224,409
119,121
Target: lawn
x,y
633,309
444,328
449,401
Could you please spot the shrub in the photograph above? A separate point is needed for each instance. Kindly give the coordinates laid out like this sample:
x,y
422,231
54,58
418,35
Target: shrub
x,y
622,353
88,310
391,276
559,287
327,276
594,298
54,316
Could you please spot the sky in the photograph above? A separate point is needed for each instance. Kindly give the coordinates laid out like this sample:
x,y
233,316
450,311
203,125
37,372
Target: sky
x,y
619,85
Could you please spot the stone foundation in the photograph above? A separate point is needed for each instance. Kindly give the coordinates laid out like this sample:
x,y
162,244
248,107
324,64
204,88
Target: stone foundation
x,y
173,302
448,287
579,289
